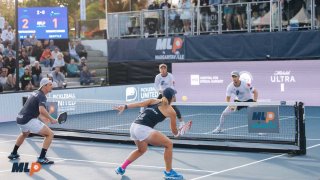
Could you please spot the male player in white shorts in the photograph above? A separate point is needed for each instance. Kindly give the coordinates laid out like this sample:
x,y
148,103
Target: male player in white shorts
x,y
242,91
28,121
166,80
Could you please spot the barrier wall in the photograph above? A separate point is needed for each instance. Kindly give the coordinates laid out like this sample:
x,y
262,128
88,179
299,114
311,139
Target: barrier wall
x,y
12,103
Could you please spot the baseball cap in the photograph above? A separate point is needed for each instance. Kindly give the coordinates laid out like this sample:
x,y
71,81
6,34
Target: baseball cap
x,y
169,93
162,65
43,82
235,73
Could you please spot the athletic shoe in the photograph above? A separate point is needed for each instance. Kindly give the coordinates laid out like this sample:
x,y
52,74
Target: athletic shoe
x,y
120,171
172,175
13,156
217,130
44,161
181,124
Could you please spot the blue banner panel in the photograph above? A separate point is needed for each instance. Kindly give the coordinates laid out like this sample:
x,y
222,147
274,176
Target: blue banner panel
x,y
160,49
219,47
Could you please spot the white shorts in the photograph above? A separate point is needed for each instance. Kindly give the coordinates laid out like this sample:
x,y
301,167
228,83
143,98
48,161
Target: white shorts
x,y
140,132
33,126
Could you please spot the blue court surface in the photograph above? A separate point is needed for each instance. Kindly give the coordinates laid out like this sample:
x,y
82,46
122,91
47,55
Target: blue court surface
x,y
97,160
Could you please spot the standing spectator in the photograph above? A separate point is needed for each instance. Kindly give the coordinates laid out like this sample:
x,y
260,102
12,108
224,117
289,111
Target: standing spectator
x,y
185,7
72,69
80,49
85,76
228,12
317,2
58,77
36,73
165,4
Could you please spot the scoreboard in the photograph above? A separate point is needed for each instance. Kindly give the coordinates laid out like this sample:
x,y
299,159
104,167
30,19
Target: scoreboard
x,y
44,22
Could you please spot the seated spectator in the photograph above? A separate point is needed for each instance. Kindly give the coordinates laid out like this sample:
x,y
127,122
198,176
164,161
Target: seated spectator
x,y
55,53
9,51
72,52
80,49
51,45
1,47
2,64
83,63
7,35
6,80
36,73
54,84
27,42
59,61
72,69
26,79
37,50
58,77
33,40
46,58
10,64
85,76
25,58
21,69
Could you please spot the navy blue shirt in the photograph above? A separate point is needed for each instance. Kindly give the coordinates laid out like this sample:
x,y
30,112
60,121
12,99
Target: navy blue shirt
x,y
30,109
151,116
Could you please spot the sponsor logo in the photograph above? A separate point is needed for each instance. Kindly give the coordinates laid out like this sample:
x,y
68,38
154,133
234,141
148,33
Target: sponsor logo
x,y
169,48
282,77
196,79
18,167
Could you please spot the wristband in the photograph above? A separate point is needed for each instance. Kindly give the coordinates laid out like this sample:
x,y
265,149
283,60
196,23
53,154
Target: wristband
x,y
125,106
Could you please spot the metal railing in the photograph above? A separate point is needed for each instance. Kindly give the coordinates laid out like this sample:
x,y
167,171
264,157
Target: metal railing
x,y
262,16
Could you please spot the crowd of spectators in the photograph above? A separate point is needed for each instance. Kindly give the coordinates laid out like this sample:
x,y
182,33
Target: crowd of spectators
x,y
34,55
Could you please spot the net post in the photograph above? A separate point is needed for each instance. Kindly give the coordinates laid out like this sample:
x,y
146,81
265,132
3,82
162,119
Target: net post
x,y
302,129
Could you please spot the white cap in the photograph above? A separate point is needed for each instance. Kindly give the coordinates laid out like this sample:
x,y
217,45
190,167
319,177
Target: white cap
x,y
43,82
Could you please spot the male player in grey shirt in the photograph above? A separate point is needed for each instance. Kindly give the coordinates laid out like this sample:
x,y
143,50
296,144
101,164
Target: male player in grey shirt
x,y
166,80
28,121
242,91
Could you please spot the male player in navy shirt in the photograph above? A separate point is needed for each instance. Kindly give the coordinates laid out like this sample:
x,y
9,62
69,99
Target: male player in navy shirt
x,y
30,120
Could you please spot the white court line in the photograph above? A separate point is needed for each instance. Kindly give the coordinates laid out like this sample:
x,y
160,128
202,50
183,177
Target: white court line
x,y
313,139
109,127
249,164
111,163
8,135
7,141
9,170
